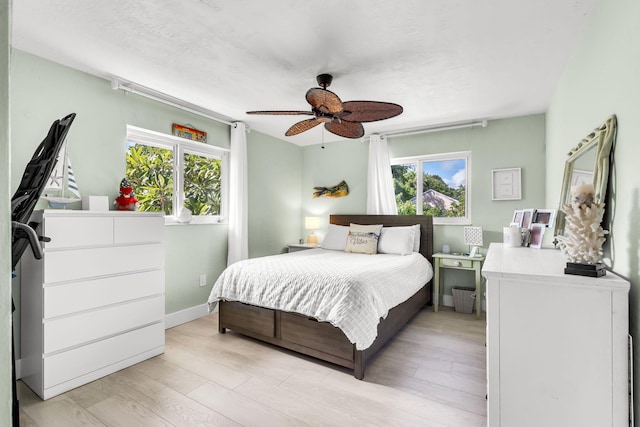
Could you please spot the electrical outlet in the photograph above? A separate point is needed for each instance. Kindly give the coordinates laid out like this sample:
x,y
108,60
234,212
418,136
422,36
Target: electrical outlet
x,y
203,280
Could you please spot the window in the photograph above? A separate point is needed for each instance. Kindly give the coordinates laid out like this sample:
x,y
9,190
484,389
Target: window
x,y
442,180
168,173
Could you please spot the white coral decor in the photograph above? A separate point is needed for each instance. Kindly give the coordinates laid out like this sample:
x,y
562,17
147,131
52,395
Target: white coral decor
x,y
584,235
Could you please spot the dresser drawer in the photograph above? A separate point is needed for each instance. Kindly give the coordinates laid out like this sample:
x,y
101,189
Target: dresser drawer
x,y
72,297
80,231
80,361
462,263
138,229
88,326
60,266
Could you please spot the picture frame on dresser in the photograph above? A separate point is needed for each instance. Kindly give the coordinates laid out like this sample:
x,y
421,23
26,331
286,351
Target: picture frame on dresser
x,y
517,217
545,217
536,235
527,217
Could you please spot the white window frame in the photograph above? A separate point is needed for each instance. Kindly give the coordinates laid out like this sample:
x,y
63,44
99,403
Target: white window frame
x,y
180,146
419,160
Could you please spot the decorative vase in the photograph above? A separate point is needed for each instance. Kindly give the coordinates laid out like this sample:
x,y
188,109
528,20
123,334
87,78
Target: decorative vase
x,y
584,236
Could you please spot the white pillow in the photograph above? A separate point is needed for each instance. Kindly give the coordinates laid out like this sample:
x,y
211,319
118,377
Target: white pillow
x,y
336,238
416,238
363,239
397,240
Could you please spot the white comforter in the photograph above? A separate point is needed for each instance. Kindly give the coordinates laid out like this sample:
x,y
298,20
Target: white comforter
x,y
351,291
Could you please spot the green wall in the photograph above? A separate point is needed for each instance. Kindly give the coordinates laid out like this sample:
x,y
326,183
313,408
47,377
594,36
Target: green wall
x,y
517,142
192,250
602,79
326,167
5,218
274,194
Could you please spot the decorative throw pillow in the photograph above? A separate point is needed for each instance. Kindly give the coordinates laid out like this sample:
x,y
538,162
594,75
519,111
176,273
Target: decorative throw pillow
x,y
336,238
396,240
363,239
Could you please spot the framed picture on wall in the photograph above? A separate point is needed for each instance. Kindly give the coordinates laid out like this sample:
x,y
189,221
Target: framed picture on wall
x,y
506,184
188,133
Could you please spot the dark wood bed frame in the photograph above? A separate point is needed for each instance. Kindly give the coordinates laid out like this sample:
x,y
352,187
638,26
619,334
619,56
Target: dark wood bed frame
x,y
321,339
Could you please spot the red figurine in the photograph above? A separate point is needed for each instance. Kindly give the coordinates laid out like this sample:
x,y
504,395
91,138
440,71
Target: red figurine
x,y
127,201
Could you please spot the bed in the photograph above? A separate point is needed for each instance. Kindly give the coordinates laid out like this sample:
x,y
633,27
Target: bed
x,y
321,339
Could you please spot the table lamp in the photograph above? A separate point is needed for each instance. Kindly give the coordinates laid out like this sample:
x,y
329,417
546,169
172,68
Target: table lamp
x,y
473,238
312,223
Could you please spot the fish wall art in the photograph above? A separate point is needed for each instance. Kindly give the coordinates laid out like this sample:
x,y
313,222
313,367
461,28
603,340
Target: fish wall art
x,y
340,190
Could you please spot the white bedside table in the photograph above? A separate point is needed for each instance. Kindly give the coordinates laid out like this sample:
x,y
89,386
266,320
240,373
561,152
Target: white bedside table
x,y
457,262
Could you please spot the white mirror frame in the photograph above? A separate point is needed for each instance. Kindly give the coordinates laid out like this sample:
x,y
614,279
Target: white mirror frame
x,y
602,138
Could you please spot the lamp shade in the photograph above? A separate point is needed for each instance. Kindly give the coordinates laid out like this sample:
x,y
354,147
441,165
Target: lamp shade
x,y
473,236
311,222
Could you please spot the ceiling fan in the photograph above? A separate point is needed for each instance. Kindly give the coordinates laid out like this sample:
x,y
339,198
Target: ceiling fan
x,y
340,118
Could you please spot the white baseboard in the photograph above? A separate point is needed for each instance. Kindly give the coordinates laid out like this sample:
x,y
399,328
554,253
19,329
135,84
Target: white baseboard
x,y
187,315
447,301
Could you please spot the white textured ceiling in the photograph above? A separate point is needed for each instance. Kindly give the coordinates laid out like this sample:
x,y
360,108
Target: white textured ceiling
x,y
444,61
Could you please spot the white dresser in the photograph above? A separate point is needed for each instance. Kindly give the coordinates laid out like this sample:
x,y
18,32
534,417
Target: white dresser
x,y
95,303
557,352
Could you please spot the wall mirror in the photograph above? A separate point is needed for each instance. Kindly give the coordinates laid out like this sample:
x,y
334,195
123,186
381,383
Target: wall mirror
x,y
587,163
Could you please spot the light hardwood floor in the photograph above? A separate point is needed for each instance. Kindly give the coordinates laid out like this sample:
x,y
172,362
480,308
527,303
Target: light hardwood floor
x,y
431,374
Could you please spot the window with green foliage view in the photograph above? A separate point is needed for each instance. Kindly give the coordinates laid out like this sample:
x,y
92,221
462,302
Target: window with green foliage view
x,y
202,184
168,174
435,185
150,172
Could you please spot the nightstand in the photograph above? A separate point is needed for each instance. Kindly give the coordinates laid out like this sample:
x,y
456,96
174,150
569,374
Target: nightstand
x,y
295,247
457,262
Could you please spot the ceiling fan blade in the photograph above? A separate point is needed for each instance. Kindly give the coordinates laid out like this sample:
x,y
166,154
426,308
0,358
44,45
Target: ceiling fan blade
x,y
369,111
302,126
324,101
282,113
346,129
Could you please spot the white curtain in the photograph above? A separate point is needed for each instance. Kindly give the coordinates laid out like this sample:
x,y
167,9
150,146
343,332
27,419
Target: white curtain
x,y
238,197
381,198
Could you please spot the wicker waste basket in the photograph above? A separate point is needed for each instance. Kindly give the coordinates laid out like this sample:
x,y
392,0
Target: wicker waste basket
x,y
463,299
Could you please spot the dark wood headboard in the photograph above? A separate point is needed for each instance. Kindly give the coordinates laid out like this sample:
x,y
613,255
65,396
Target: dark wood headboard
x,y
426,226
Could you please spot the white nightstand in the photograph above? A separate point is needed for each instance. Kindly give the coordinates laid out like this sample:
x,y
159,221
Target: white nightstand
x,y
295,247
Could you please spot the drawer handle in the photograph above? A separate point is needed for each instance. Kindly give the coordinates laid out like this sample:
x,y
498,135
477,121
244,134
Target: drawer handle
x,y
456,263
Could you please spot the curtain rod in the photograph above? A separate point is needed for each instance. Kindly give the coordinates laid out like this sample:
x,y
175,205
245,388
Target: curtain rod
x,y
165,99
452,126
